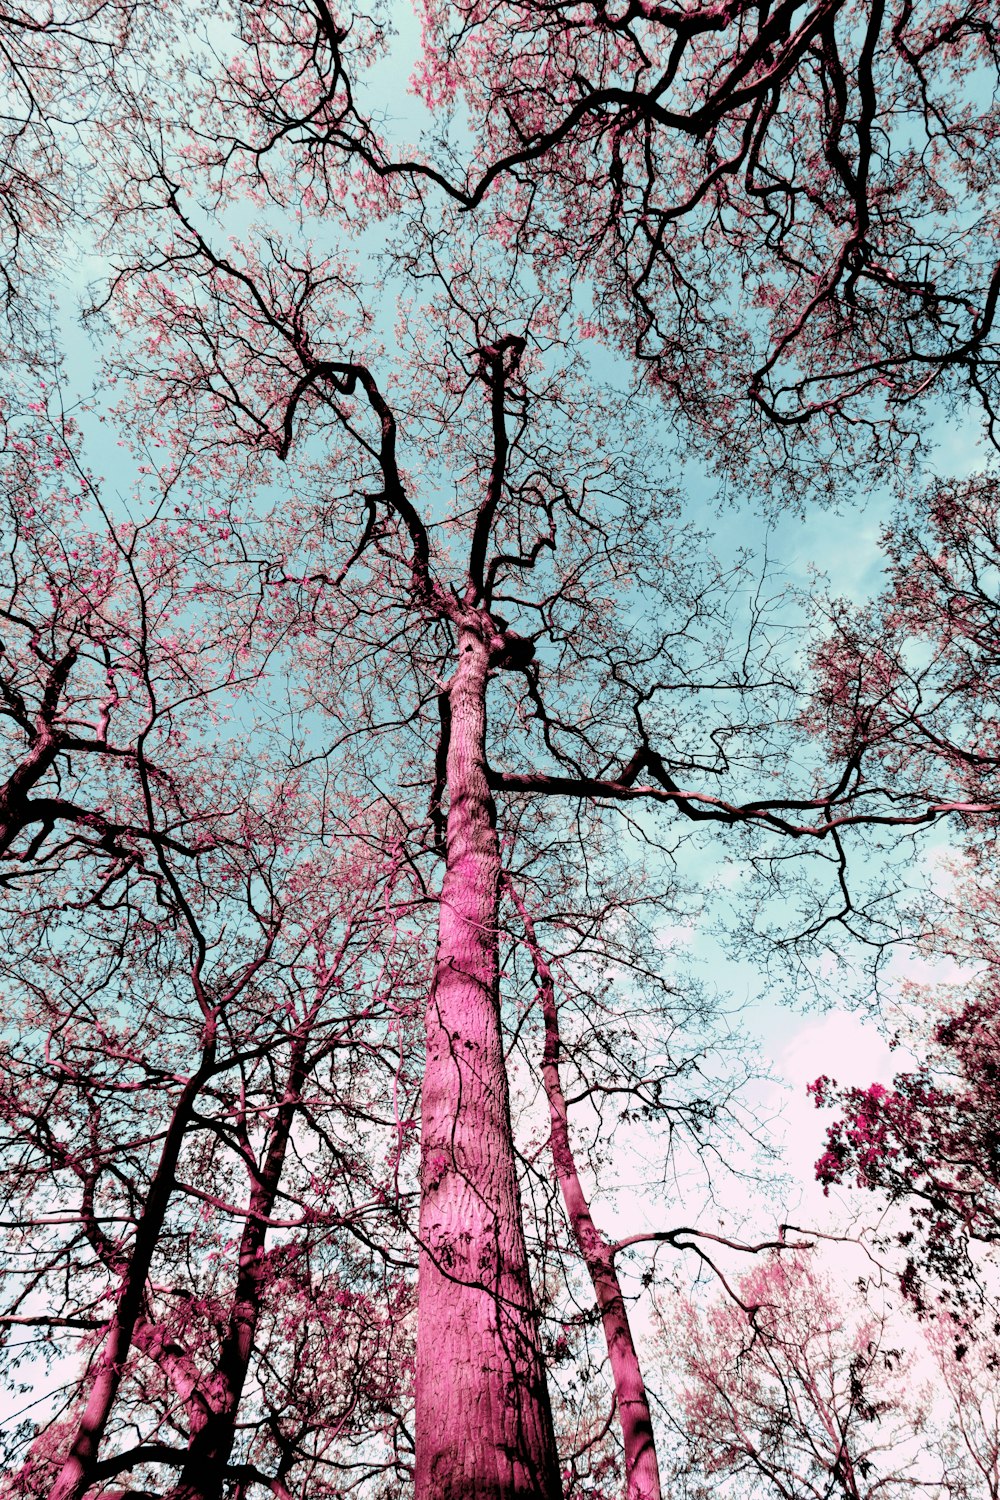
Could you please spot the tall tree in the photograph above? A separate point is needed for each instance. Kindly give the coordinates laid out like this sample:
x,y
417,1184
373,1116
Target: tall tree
x,y
596,615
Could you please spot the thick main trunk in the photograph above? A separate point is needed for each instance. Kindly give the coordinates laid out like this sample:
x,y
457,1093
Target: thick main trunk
x,y
642,1473
483,1422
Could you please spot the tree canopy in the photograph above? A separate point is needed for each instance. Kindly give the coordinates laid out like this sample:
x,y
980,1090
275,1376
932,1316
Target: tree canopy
x,y
366,731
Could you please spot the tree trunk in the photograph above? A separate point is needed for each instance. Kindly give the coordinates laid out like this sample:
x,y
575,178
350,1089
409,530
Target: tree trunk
x,y
483,1423
214,1409
642,1473
76,1475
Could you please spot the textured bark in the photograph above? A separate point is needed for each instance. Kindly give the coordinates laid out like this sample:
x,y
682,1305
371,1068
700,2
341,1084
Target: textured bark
x,y
483,1423
642,1473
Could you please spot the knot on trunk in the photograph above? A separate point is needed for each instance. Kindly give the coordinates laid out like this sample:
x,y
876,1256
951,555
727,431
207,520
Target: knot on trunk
x,y
505,649
508,651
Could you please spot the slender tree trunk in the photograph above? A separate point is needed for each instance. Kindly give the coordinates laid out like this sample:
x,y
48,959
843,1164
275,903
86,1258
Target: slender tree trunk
x,y
215,1408
483,1422
76,1475
642,1473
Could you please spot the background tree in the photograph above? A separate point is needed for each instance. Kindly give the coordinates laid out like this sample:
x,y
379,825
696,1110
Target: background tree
x,y
207,1010
80,698
57,68
928,1142
972,1426
794,1383
732,180
250,1127
908,683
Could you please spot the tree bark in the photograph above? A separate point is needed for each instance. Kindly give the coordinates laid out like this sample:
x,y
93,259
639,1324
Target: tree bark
x,y
483,1422
642,1473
